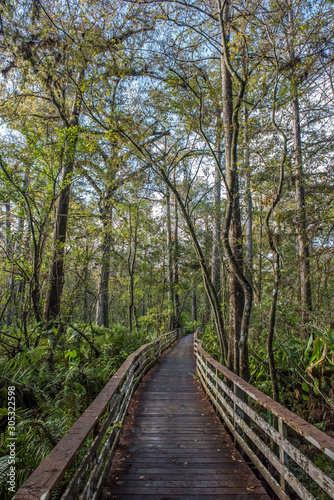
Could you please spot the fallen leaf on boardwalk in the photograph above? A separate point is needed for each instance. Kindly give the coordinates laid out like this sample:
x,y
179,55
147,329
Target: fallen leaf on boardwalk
x,y
195,440
251,488
141,477
218,449
181,446
185,464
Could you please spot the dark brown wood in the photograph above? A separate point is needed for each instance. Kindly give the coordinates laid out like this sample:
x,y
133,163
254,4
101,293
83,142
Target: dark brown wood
x,y
316,437
184,496
234,404
114,398
173,444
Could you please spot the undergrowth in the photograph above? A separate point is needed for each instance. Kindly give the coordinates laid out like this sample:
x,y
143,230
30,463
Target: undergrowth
x,y
306,382
51,397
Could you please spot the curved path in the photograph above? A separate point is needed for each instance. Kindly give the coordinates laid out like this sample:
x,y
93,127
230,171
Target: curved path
x,y
173,445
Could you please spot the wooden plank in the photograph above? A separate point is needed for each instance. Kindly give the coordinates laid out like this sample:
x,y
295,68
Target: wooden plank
x,y
172,491
208,457
163,437
185,496
46,477
185,479
184,468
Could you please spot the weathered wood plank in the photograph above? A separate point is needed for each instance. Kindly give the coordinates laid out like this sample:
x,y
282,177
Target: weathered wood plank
x,y
190,491
233,415
185,496
47,476
175,446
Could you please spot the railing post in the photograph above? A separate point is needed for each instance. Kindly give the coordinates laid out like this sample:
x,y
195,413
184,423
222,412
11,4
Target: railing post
x,y
95,433
238,411
234,414
283,430
217,388
159,346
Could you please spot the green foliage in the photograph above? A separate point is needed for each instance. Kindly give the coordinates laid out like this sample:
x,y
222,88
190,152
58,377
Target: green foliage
x,y
210,341
321,363
50,399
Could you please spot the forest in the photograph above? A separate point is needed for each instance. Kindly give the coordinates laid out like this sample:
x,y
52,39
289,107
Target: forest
x,y
163,164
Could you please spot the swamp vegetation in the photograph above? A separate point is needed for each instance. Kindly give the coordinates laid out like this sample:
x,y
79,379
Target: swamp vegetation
x,y
163,164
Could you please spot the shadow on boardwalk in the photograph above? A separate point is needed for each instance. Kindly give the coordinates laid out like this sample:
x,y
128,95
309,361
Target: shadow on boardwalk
x,y
173,446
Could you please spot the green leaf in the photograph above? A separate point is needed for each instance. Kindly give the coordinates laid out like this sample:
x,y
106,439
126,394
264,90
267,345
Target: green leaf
x,y
316,349
327,336
305,387
71,354
309,343
316,386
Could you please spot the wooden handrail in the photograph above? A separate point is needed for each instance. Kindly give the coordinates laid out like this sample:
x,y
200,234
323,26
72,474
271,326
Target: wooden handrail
x,y
268,446
85,453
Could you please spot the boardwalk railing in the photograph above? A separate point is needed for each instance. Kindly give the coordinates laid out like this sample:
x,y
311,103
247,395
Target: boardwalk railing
x,y
77,465
270,435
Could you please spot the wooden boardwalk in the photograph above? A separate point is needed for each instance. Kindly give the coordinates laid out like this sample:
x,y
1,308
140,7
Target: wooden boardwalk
x,y
173,445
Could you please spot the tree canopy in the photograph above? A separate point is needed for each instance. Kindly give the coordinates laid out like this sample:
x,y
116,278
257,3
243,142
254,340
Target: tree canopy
x,y
165,164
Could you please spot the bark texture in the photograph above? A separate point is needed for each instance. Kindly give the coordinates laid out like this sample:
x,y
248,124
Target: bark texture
x,y
56,274
303,246
102,305
171,300
237,299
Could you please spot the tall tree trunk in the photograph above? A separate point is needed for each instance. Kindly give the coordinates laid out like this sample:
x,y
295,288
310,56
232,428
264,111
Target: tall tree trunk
x,y
217,222
171,298
303,246
216,265
249,205
102,305
106,204
260,254
237,299
54,292
16,284
56,274
177,311
85,314
131,268
194,305
273,239
9,252
271,333
8,228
